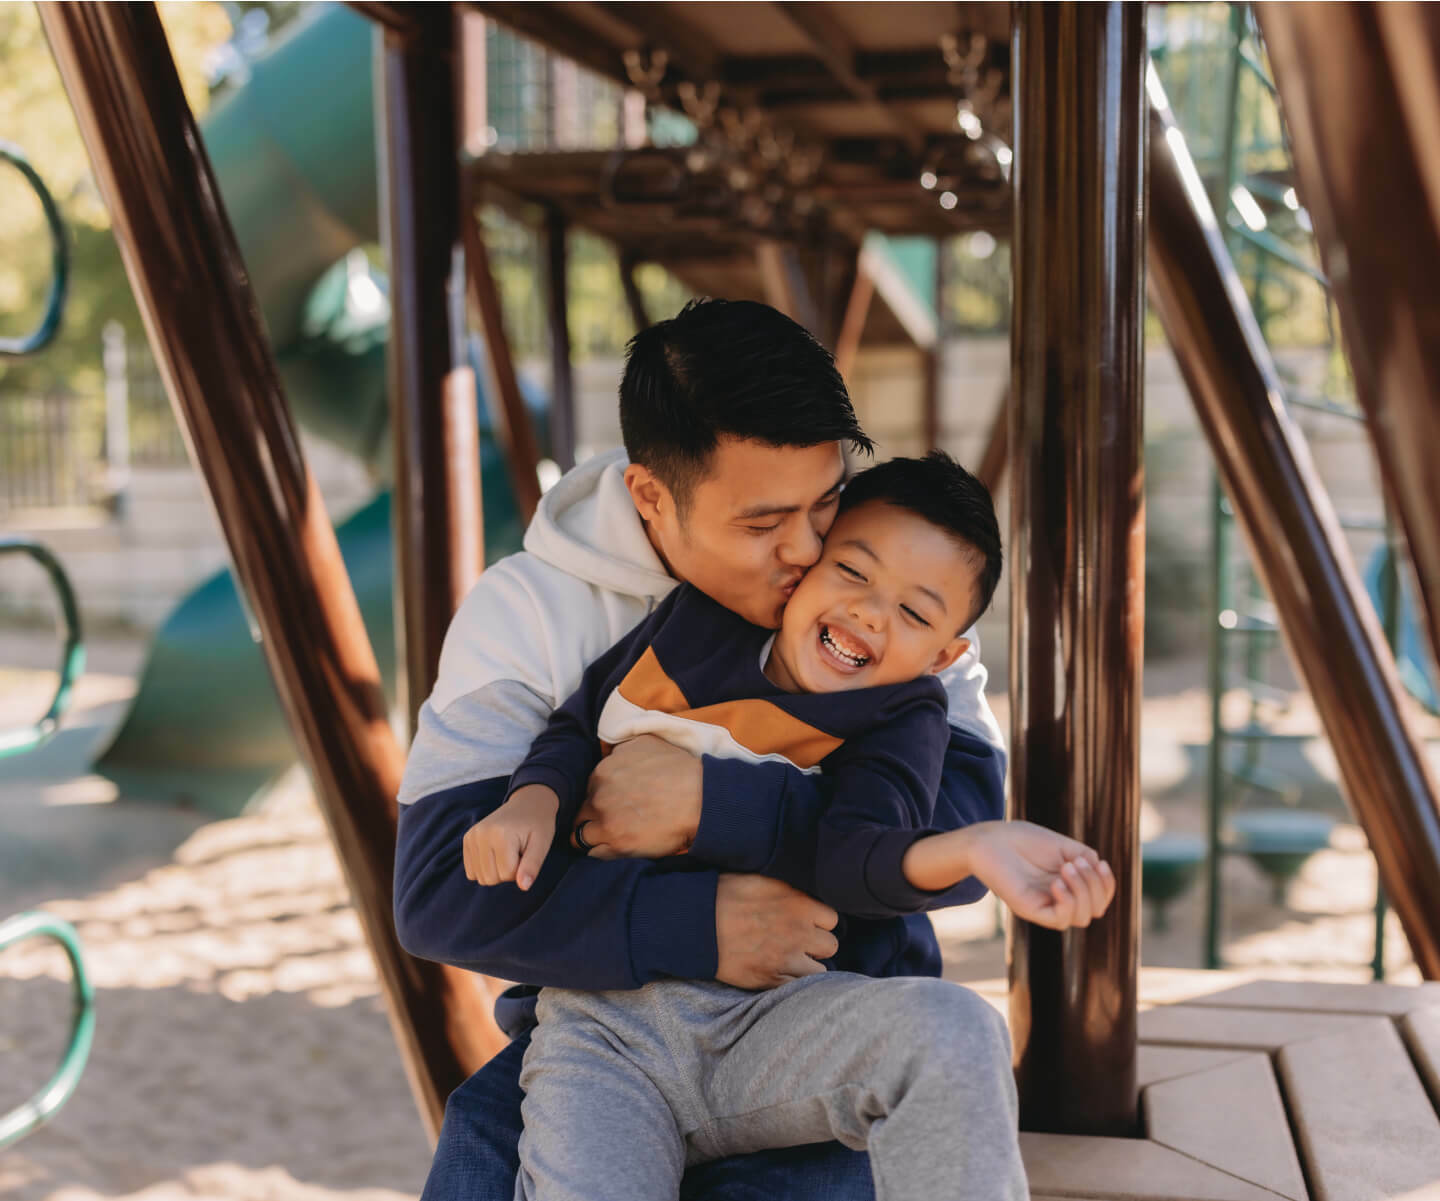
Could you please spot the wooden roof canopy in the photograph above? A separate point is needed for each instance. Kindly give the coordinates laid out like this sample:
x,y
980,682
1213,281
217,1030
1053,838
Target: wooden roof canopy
x,y
818,122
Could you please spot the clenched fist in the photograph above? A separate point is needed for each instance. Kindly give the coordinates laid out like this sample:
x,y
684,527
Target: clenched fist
x,y
512,842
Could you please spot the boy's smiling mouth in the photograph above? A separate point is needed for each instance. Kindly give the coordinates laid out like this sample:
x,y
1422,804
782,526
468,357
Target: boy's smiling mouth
x,y
842,649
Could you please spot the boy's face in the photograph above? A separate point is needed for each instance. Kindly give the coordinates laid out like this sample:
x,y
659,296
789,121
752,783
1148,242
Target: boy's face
x,y
883,605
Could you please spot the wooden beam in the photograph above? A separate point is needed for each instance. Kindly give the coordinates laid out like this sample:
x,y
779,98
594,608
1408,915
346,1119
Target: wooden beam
x,y
436,508
785,286
508,413
194,296
474,100
562,380
995,459
403,19
1297,544
661,26
833,48
633,299
852,328
1077,542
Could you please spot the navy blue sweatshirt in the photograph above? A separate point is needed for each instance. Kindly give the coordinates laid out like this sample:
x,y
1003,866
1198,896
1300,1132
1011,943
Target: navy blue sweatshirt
x,y
839,835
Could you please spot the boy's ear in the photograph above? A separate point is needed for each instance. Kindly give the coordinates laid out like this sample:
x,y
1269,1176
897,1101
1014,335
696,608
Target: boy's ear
x,y
648,493
951,652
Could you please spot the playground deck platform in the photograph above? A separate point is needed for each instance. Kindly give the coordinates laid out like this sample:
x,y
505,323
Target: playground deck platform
x,y
1253,1090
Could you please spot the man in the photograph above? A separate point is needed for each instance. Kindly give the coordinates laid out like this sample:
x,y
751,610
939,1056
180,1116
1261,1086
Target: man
x,y
733,419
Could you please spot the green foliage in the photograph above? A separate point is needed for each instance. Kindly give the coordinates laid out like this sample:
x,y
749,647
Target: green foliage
x,y
600,323
36,116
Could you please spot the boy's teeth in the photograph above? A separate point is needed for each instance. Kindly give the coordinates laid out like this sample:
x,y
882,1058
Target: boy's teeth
x,y
849,656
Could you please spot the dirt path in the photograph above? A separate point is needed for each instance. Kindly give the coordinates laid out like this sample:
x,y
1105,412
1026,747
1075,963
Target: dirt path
x,y
241,1049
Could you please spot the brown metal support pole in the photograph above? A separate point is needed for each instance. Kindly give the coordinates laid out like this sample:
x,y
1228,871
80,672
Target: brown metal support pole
x,y
786,287
562,377
507,405
437,511
1077,540
1296,541
633,299
190,283
996,456
852,327
1360,91
935,355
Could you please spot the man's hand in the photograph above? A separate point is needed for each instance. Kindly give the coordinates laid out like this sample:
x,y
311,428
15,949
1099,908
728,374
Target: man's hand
x,y
768,932
643,801
1042,876
511,843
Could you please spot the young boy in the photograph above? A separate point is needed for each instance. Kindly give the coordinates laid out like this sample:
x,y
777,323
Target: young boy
x,y
623,1089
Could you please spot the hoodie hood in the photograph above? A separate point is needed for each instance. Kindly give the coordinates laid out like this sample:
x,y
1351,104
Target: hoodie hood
x,y
587,525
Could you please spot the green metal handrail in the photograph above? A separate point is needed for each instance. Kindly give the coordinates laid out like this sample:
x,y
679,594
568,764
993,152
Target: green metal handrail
x,y
49,326
72,658
35,1112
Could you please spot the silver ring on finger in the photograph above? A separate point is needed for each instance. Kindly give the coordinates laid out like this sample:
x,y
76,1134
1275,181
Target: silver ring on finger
x,y
580,836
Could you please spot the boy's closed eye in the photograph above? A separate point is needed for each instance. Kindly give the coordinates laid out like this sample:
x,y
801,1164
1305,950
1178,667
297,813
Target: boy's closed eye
x,y
858,577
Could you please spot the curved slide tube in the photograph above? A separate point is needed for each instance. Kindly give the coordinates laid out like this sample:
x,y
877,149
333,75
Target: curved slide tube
x,y
295,152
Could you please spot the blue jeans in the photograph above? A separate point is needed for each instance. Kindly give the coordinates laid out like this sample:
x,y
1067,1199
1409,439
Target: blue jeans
x,y
477,1155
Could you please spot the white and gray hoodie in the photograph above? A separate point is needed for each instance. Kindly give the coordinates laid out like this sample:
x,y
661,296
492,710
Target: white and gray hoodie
x,y
524,635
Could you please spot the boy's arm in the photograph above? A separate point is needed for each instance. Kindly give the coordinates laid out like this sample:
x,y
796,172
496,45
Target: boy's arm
x,y
584,923
764,817
885,785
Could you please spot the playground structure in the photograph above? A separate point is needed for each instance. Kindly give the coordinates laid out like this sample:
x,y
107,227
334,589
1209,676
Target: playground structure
x,y
1079,227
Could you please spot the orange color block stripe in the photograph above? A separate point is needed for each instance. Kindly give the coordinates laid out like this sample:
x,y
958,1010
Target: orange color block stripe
x,y
758,725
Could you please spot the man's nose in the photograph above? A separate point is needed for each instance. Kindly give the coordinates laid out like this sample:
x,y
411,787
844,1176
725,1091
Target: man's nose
x,y
802,548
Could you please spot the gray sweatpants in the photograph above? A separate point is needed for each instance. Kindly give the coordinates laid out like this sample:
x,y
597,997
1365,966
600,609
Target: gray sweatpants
x,y
623,1090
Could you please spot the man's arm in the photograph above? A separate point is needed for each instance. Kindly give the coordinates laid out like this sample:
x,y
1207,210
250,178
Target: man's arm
x,y
765,817
566,751
584,923
652,799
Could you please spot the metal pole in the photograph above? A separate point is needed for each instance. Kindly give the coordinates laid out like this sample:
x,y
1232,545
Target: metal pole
x,y
437,509
190,284
507,406
1357,86
995,458
562,378
1296,541
633,298
1077,540
1220,567
117,411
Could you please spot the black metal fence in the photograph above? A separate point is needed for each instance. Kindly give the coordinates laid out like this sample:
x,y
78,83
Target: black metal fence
x,y
67,449
51,451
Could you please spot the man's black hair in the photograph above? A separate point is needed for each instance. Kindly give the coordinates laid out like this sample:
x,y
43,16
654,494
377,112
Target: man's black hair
x,y
728,368
940,491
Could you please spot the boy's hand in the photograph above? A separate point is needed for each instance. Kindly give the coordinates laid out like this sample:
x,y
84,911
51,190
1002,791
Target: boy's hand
x,y
512,842
1042,876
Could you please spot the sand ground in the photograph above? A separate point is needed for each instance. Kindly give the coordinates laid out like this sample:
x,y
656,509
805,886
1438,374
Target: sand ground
x,y
242,1051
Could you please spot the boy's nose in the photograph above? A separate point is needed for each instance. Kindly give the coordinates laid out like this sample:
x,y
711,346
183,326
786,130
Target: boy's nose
x,y
867,614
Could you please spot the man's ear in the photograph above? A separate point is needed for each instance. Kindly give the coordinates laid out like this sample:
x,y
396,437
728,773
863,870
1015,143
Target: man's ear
x,y
648,493
953,650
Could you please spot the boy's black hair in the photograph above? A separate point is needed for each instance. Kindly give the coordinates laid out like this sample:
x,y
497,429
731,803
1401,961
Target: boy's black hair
x,y
940,491
728,368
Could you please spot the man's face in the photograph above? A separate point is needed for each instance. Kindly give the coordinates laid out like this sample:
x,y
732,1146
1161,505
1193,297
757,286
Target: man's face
x,y
753,526
883,605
